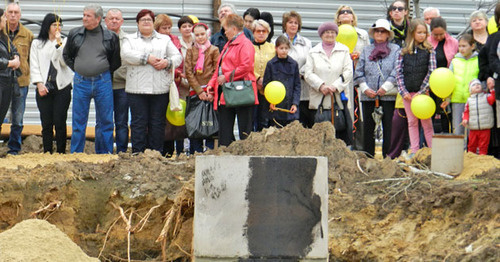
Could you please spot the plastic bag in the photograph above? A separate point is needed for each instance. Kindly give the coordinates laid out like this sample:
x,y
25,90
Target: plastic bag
x,y
201,118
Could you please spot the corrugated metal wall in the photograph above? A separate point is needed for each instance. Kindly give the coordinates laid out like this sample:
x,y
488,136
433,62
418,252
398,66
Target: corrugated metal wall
x,y
314,12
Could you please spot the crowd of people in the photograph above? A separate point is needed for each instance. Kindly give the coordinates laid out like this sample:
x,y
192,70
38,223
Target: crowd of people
x,y
133,75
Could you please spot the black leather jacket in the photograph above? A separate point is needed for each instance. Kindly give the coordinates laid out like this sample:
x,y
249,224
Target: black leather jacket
x,y
75,40
5,56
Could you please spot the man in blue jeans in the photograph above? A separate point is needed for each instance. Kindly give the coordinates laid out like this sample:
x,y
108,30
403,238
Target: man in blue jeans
x,y
93,52
114,21
21,37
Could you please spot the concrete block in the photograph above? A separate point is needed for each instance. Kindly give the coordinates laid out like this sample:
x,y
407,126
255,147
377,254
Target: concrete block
x,y
250,208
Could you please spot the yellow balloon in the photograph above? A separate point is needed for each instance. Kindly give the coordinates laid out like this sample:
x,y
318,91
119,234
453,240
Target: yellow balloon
x,y
275,92
442,82
347,36
423,106
177,118
492,25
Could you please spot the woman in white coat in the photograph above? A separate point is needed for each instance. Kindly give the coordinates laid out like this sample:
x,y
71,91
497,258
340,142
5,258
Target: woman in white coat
x,y
328,71
149,58
52,78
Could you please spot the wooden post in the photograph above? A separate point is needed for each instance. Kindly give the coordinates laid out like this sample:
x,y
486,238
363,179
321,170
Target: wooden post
x,y
216,25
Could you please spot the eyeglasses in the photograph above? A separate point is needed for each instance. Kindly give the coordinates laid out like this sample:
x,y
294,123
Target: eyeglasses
x,y
379,31
343,12
143,20
399,8
261,31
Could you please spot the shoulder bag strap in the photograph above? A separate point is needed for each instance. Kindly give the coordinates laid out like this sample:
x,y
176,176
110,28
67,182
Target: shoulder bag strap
x,y
333,110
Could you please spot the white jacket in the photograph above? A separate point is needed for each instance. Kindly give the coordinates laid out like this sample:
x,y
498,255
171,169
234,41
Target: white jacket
x,y
40,57
143,78
321,69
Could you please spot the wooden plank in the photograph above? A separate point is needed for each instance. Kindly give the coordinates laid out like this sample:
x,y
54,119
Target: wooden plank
x,y
29,130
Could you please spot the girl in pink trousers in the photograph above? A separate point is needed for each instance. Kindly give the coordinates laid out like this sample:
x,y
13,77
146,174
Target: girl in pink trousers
x,y
414,67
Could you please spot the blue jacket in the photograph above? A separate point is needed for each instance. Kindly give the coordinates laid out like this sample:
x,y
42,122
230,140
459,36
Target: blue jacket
x,y
287,72
219,39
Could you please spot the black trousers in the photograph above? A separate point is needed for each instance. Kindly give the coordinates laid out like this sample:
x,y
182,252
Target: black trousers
x,y
369,126
53,113
306,115
148,121
5,97
227,116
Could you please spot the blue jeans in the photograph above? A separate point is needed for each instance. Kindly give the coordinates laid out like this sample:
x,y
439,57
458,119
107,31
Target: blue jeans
x,y
121,119
148,121
100,88
17,113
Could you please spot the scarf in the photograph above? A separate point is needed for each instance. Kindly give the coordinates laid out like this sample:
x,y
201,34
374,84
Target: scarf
x,y
381,51
328,48
399,30
198,68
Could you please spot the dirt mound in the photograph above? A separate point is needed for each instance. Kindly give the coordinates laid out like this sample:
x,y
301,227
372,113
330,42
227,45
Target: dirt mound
x,y
379,210
38,240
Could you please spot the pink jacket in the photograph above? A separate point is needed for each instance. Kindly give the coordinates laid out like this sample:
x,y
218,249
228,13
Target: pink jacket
x,y
450,46
239,57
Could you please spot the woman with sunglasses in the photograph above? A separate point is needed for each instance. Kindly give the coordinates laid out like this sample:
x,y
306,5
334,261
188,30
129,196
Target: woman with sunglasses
x,y
345,15
397,14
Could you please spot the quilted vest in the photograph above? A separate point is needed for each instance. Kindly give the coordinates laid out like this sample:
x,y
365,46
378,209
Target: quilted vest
x,y
416,66
480,112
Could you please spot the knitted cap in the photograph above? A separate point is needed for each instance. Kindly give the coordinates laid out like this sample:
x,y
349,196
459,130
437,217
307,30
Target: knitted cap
x,y
328,26
473,82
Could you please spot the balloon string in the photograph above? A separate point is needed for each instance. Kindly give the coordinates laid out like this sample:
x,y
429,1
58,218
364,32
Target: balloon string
x,y
356,109
447,117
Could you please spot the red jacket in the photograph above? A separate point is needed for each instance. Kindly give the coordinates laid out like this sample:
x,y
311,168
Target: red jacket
x,y
239,57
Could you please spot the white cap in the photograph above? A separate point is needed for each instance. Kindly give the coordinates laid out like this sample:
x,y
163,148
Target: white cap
x,y
381,23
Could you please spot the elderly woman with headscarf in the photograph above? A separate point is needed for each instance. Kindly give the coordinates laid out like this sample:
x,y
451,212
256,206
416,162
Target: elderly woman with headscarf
x,y
328,71
149,57
376,76
236,64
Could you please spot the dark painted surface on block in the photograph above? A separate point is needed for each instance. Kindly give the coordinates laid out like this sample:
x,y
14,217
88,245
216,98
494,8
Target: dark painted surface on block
x,y
269,260
283,208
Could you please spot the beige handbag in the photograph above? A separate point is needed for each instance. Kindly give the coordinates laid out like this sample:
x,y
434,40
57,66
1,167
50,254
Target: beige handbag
x,y
175,104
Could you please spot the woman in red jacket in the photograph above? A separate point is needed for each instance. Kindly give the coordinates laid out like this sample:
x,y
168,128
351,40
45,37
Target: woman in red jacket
x,y
238,56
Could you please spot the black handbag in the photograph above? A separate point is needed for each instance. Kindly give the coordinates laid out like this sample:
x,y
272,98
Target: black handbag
x,y
338,120
51,83
238,93
201,118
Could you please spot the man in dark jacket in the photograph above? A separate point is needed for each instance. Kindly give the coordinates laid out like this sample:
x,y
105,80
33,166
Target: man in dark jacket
x,y
219,39
93,53
21,37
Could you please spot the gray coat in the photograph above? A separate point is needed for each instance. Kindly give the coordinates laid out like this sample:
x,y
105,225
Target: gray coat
x,y
368,75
